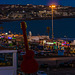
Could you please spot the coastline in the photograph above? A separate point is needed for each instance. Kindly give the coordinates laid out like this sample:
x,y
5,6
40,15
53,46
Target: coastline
x,y
36,18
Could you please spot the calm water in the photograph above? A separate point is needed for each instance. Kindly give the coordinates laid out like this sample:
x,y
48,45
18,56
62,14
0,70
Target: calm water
x,y
61,27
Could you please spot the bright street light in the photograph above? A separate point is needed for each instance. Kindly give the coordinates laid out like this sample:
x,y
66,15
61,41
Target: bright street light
x,y
52,6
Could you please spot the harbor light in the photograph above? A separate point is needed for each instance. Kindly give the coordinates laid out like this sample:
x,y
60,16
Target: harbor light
x,y
6,33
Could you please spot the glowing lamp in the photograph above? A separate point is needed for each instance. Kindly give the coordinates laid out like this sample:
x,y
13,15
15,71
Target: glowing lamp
x,y
65,42
13,38
9,37
2,36
44,41
49,43
54,42
62,44
59,43
6,33
52,6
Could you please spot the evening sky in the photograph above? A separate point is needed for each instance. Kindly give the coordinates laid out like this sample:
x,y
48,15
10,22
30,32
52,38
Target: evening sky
x,y
40,2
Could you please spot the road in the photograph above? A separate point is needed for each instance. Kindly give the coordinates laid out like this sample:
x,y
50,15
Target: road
x,y
65,71
55,61
55,58
52,61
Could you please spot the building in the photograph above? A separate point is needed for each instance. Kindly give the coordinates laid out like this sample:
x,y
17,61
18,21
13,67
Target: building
x,y
8,62
36,38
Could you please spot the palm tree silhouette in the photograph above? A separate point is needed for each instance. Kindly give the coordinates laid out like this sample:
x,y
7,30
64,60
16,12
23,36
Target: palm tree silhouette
x,y
48,30
1,28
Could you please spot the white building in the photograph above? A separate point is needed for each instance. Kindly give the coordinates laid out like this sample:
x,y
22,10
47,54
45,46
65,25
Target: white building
x,y
72,43
36,38
8,62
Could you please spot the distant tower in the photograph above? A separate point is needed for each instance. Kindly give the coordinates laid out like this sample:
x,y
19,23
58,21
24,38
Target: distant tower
x,y
30,34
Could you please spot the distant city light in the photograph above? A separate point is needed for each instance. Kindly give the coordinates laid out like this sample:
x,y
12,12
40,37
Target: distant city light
x,y
6,33
9,31
59,43
2,36
23,11
13,38
44,41
49,43
52,6
9,37
54,42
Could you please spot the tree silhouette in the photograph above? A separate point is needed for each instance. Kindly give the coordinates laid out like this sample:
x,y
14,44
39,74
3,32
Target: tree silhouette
x,y
1,28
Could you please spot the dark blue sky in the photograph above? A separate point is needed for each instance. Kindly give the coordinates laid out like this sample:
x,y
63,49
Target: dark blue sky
x,y
40,2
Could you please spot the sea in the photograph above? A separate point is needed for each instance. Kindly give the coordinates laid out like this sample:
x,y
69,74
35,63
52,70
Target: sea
x,y
61,27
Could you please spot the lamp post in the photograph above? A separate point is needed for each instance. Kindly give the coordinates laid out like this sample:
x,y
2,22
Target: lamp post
x,y
52,6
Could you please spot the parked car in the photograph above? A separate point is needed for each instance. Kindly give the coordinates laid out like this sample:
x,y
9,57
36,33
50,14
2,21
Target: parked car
x,y
41,73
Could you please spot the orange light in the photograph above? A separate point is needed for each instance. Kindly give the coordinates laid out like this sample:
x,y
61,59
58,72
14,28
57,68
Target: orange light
x,y
52,6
